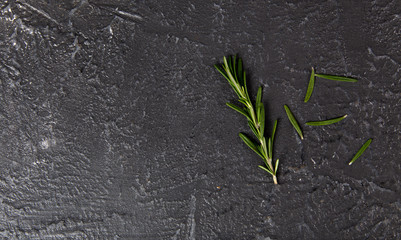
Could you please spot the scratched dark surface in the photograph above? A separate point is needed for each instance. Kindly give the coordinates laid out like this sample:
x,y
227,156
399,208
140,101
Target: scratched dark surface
x,y
113,122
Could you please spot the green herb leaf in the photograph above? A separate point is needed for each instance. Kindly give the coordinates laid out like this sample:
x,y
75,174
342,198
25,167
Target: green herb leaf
x,y
361,150
262,120
326,122
221,71
250,144
225,63
267,170
252,127
239,69
246,89
258,102
263,153
235,88
228,64
310,86
274,130
270,148
238,109
336,78
233,67
293,121
276,167
259,96
245,102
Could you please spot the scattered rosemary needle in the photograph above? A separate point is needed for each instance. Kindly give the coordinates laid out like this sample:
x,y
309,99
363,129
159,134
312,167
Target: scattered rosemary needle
x,y
361,150
232,70
326,122
310,86
336,78
293,121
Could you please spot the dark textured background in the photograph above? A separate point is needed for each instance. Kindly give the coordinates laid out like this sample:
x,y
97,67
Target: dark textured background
x,y
114,126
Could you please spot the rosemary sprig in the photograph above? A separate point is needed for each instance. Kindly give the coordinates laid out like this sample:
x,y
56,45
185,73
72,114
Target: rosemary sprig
x,y
326,122
233,71
310,86
293,121
361,150
336,78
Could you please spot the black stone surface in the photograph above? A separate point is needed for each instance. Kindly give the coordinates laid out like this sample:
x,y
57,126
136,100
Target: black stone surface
x,y
114,126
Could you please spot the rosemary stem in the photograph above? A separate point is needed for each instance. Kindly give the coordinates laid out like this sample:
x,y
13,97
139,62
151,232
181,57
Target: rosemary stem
x,y
275,179
269,161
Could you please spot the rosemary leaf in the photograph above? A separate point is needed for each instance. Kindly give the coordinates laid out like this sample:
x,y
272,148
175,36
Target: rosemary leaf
x,y
336,78
250,144
270,148
258,103
267,170
252,127
240,71
235,88
238,109
310,86
274,130
262,120
243,102
233,68
222,72
263,153
259,96
361,150
293,121
244,83
326,122
229,65
276,167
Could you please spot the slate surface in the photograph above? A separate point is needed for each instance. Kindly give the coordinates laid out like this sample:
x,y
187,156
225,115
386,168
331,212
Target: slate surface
x,y
114,125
